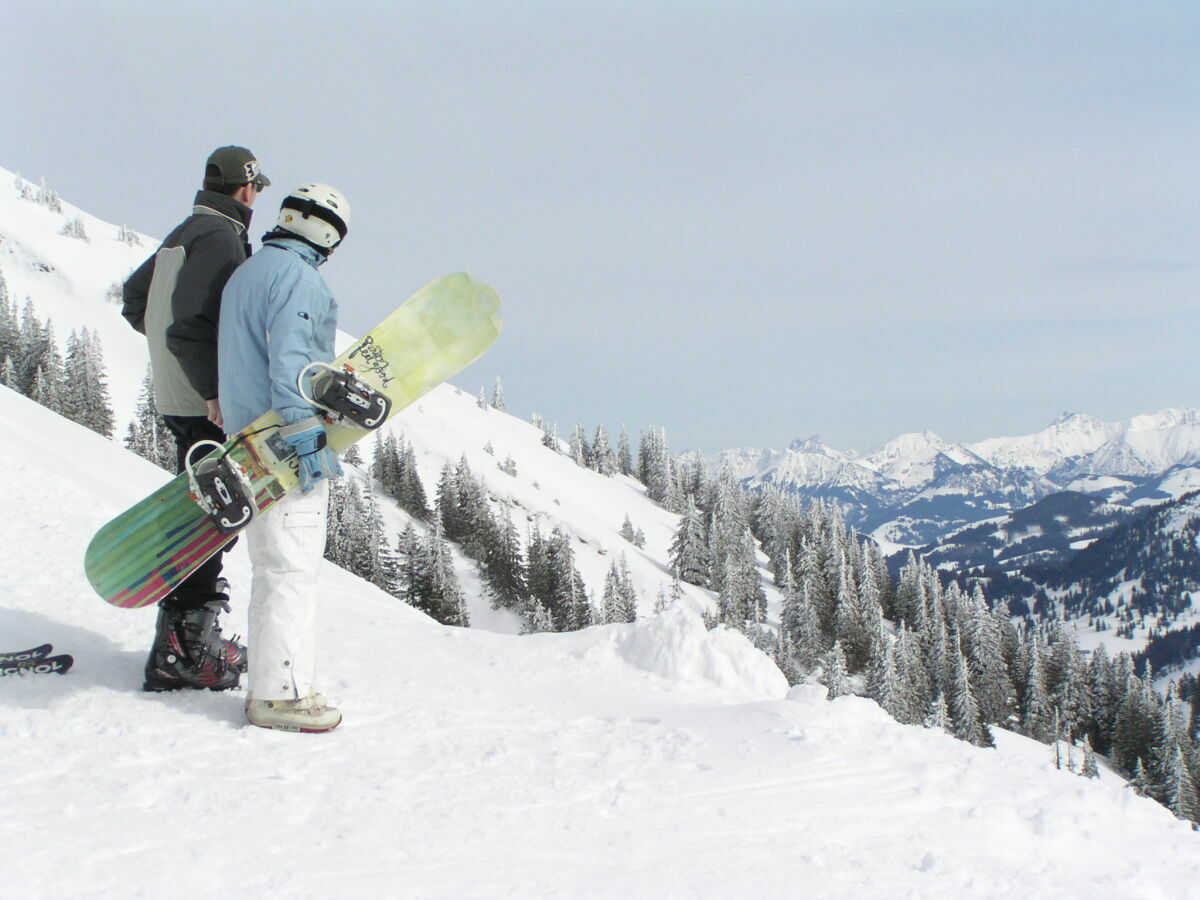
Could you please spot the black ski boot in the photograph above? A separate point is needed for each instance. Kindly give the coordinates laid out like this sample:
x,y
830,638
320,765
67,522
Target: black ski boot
x,y
188,649
232,651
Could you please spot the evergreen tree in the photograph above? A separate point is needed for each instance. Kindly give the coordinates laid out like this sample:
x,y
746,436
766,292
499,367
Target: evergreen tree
x,y
75,228
883,684
498,396
148,436
10,327
503,569
938,715
741,598
624,454
436,590
581,453
964,711
835,677
410,575
634,536
690,559
1089,769
1036,711
410,491
619,602
798,620
603,457
1179,787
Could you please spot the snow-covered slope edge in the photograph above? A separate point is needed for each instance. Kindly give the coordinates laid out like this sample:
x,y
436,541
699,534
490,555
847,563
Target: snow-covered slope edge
x,y
654,759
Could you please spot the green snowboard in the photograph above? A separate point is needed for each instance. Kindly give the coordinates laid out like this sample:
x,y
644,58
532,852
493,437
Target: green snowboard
x,y
141,555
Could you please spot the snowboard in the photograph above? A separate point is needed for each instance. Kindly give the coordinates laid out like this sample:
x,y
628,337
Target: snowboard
x,y
140,556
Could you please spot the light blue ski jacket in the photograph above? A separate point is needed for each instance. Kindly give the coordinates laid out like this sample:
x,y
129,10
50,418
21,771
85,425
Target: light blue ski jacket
x,y
277,316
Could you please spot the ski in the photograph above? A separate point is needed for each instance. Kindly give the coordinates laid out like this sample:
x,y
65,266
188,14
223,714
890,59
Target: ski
x,y
49,665
25,655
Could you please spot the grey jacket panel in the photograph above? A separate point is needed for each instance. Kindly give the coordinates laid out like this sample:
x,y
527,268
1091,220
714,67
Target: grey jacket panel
x,y
178,307
173,392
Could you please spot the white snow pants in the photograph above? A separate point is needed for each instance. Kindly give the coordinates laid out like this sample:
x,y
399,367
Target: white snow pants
x,y
286,546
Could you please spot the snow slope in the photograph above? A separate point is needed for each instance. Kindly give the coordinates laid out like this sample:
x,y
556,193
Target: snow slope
x,y
68,279
646,760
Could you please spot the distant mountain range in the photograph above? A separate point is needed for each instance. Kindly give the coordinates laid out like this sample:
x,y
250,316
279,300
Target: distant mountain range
x,y
918,488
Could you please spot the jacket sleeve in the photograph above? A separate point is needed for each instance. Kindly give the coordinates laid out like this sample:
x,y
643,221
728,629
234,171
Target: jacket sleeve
x,y
292,345
196,307
135,293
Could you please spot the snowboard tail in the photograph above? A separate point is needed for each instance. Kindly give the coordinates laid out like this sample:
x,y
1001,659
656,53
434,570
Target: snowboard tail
x,y
143,554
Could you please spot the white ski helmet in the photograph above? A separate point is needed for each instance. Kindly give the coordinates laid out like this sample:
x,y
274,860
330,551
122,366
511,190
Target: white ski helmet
x,y
318,213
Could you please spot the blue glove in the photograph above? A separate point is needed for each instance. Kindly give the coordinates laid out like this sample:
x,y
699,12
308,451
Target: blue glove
x,y
317,461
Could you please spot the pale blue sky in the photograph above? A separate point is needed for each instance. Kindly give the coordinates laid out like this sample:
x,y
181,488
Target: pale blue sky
x,y
746,222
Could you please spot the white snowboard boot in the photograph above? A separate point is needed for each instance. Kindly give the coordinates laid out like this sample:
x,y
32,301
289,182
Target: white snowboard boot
x,y
308,715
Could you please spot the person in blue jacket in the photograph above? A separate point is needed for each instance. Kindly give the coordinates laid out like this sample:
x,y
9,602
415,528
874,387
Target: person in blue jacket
x,y
277,316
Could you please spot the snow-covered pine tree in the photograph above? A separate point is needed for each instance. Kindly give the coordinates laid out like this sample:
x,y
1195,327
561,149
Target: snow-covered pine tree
x,y
74,228
503,569
883,683
690,559
835,677
10,326
498,396
447,503
410,573
741,599
912,677
938,715
604,460
581,452
147,435
624,454
444,598
860,620
1089,769
620,597
1036,712
1179,787
654,465
964,711
48,197
411,496
635,536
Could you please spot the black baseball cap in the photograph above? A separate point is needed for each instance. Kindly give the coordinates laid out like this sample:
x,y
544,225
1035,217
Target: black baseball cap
x,y
230,167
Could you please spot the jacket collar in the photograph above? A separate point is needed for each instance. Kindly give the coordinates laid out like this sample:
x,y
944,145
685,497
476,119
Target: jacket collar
x,y
310,255
214,203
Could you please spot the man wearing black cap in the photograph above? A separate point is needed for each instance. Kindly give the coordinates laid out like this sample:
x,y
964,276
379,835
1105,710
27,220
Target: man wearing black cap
x,y
174,298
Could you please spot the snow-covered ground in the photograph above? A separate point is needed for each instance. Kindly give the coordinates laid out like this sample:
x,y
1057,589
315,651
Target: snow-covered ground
x,y
646,760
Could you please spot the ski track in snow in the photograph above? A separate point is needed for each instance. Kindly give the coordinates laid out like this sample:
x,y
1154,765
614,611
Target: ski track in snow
x,y
652,760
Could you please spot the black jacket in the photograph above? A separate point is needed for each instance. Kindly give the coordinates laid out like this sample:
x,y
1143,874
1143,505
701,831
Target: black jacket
x,y
176,294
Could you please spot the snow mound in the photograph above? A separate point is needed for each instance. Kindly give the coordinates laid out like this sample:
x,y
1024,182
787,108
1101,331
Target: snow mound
x,y
676,646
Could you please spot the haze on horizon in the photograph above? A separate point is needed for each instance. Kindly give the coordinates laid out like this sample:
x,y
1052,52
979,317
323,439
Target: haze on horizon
x,y
745,223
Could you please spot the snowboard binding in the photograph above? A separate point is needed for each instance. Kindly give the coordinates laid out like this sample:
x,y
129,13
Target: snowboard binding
x,y
222,489
344,396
